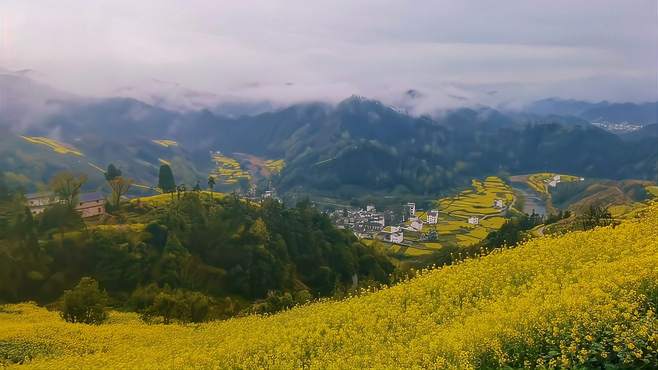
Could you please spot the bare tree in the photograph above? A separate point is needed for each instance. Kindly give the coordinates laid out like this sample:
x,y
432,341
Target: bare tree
x,y
67,186
120,186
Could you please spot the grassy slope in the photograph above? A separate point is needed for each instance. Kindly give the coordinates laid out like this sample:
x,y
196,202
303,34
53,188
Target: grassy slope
x,y
578,297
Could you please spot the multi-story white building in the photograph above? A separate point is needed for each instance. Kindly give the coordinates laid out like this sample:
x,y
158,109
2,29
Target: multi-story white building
x,y
37,202
392,234
433,217
474,220
411,207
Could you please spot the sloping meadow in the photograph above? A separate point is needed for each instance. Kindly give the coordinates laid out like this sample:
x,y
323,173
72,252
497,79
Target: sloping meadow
x,y
581,299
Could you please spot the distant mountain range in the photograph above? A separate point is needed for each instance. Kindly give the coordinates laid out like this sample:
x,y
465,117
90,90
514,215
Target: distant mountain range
x,y
640,114
356,146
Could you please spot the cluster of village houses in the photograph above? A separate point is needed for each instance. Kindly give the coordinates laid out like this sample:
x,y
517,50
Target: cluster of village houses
x,y
88,204
370,224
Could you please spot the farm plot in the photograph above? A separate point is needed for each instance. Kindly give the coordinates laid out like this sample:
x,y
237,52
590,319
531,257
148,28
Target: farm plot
x,y
228,171
539,182
470,216
53,144
165,143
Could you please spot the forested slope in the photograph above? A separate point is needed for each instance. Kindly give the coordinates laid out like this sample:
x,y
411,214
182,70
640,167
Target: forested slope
x,y
581,299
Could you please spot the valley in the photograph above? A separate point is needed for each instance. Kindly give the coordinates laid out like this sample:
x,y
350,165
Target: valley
x,y
330,185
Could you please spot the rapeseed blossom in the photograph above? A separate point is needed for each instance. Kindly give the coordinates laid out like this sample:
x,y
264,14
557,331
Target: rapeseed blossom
x,y
576,300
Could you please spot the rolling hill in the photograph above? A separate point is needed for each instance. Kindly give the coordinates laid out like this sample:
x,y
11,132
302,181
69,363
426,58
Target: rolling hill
x,y
583,299
359,145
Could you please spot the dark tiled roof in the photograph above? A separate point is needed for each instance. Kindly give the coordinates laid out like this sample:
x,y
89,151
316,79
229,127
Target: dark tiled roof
x,y
43,194
90,197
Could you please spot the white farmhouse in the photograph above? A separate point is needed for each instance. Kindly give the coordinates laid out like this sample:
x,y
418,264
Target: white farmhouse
x,y
90,205
370,208
474,220
432,217
499,204
37,202
412,208
392,234
416,224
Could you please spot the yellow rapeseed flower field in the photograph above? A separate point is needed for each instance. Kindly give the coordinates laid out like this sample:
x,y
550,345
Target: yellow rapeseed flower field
x,y
576,300
165,143
53,144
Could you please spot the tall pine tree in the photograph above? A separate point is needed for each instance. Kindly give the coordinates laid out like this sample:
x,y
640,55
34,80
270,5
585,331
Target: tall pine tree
x,y
166,179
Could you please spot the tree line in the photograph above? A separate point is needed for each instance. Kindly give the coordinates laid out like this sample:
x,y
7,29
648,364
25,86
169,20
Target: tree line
x,y
193,258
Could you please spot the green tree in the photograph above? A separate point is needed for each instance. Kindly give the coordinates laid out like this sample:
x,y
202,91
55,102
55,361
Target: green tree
x,y
166,179
178,305
85,303
60,217
593,217
67,186
211,183
112,172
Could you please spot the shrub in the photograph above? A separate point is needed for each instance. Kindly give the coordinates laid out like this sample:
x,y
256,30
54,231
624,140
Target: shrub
x,y
85,303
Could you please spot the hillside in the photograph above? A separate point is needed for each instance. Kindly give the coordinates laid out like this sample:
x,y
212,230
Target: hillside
x,y
564,301
358,146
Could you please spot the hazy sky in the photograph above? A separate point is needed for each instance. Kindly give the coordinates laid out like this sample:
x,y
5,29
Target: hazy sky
x,y
308,49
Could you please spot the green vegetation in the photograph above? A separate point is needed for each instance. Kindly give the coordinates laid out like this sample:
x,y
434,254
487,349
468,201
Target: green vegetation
x,y
581,300
85,303
172,255
166,181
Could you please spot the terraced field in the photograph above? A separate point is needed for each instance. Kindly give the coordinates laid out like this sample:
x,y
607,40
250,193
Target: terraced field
x,y
653,190
228,170
162,199
165,143
539,181
53,144
274,166
453,227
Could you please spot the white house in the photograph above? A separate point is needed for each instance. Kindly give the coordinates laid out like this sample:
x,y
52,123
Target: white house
x,y
499,204
473,220
370,208
412,208
416,224
37,202
392,234
552,183
432,217
90,205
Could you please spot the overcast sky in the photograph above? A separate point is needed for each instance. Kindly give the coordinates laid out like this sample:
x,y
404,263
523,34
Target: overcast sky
x,y
317,49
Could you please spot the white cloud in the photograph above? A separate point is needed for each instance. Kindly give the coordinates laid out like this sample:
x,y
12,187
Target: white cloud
x,y
296,50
